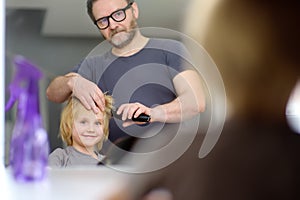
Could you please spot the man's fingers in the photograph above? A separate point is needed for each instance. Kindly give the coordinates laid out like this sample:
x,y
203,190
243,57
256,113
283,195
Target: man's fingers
x,y
128,123
95,109
99,100
125,113
85,103
134,108
131,110
89,94
141,109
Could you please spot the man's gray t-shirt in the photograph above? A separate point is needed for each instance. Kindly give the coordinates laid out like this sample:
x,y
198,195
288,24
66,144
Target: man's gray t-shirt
x,y
145,77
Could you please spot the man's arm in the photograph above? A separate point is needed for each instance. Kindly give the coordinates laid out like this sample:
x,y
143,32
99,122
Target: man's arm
x,y
86,91
59,89
190,101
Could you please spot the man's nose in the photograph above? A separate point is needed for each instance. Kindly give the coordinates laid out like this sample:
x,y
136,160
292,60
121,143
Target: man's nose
x,y
112,23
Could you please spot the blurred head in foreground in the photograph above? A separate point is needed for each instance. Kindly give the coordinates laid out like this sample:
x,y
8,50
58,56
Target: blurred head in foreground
x,y
255,45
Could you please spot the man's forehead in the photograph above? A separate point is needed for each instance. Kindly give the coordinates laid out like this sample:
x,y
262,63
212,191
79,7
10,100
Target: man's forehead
x,y
106,7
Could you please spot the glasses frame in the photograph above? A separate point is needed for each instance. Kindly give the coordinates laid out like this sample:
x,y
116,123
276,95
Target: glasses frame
x,y
111,16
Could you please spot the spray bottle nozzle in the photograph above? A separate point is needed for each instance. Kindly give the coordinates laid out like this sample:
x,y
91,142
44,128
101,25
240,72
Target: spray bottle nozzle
x,y
25,72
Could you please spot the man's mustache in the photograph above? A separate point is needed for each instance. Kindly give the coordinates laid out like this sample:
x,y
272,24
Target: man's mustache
x,y
113,32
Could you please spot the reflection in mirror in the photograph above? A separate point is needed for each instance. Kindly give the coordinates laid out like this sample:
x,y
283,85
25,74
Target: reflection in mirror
x,y
56,40
293,109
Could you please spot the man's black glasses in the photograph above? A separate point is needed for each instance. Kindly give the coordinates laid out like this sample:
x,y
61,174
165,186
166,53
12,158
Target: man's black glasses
x,y
118,16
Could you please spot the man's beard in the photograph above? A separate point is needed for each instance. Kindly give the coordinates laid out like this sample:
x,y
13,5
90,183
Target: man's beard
x,y
126,37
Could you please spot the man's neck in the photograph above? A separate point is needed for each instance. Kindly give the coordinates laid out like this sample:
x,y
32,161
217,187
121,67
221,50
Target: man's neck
x,y
139,42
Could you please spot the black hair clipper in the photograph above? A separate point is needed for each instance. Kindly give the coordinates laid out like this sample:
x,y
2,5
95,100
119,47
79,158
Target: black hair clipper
x,y
141,118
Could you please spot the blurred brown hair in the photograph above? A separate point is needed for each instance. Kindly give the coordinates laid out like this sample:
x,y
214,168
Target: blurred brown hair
x,y
255,45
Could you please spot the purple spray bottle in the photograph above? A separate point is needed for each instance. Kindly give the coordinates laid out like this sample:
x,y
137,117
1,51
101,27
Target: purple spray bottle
x,y
29,146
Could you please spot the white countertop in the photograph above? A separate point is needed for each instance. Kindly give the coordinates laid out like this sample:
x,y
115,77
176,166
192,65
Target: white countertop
x,y
72,183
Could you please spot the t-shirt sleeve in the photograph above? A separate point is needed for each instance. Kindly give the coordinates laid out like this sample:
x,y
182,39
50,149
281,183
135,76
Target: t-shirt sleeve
x,y
84,69
57,158
90,68
76,68
178,58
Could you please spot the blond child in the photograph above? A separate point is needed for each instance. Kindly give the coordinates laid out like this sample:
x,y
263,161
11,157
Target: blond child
x,y
83,131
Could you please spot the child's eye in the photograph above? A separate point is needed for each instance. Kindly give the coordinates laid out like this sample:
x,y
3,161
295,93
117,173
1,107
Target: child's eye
x,y
83,122
98,123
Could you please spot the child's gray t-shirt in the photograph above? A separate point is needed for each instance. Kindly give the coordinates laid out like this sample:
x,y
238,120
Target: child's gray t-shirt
x,y
69,156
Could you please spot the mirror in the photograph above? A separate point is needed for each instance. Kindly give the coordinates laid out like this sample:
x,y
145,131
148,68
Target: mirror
x,y
56,41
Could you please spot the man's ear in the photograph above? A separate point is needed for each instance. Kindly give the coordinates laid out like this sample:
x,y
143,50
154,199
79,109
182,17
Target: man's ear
x,y
135,10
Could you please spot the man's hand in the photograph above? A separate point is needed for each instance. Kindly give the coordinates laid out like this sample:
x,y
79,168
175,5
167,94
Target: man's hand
x,y
132,110
87,92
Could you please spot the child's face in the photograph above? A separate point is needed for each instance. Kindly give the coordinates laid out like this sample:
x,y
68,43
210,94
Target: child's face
x,y
88,128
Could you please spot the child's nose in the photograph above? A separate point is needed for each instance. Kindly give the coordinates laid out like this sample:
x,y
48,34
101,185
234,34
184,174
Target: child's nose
x,y
91,128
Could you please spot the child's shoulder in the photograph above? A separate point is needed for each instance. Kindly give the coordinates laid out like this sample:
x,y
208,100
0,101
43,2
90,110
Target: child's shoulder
x,y
62,151
57,151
